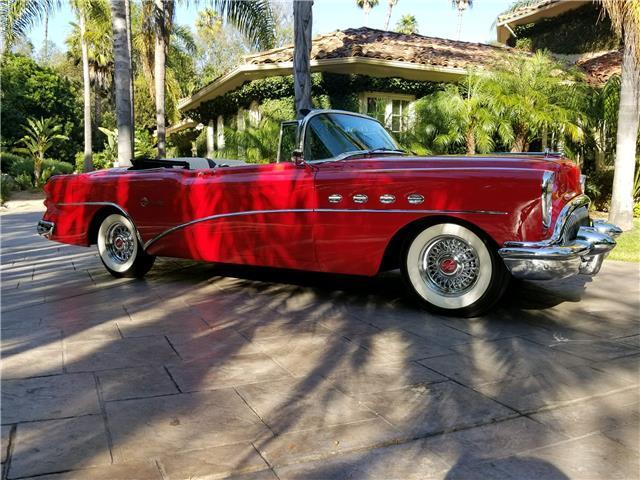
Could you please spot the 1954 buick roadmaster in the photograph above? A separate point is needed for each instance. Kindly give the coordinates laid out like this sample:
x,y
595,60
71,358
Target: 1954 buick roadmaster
x,y
343,198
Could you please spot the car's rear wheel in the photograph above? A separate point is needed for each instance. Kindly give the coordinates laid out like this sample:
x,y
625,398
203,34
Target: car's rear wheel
x,y
454,270
119,248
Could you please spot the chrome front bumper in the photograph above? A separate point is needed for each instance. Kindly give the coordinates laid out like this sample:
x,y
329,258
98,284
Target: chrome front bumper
x,y
562,256
45,229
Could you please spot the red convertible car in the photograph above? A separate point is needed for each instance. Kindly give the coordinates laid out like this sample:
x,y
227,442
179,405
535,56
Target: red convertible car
x,y
343,198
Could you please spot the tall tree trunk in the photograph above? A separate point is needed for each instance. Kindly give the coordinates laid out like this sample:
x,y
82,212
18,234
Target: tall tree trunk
x,y
97,107
127,8
46,34
388,18
302,23
459,29
86,88
621,212
122,82
159,75
38,160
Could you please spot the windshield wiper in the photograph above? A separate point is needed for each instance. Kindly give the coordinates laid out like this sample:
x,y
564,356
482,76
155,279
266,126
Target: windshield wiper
x,y
369,152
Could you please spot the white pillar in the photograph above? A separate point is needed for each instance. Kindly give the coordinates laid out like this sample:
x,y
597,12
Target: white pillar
x,y
220,129
210,139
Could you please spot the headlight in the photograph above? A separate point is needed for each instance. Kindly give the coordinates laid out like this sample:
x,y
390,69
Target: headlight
x,y
583,183
547,198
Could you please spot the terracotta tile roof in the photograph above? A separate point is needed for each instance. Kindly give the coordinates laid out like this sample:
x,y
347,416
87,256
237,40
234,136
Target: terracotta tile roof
x,y
380,44
601,67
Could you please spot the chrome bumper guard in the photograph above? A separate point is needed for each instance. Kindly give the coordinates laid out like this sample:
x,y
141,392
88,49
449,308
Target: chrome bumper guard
x,y
559,257
44,228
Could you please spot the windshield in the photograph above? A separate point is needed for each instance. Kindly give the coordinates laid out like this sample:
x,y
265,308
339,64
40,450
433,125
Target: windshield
x,y
331,135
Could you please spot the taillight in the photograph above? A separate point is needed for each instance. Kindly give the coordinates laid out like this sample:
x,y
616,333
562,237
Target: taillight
x,y
546,198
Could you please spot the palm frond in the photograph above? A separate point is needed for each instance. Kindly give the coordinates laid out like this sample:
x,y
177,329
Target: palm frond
x,y
254,19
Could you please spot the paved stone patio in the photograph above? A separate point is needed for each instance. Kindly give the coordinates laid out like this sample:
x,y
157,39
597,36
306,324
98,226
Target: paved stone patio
x,y
204,371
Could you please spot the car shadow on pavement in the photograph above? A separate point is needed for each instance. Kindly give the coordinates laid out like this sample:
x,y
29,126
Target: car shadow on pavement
x,y
220,370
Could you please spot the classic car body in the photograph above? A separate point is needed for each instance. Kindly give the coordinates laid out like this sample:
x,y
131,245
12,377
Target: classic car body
x,y
354,212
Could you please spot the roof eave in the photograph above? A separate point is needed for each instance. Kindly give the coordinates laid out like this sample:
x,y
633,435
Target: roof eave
x,y
504,27
350,65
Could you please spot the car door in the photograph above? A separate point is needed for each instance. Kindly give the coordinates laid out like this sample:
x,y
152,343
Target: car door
x,y
249,214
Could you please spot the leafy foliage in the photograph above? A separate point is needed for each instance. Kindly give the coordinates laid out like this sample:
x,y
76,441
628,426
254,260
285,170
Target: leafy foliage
x,y
17,16
535,95
461,114
32,90
577,31
339,91
40,136
407,24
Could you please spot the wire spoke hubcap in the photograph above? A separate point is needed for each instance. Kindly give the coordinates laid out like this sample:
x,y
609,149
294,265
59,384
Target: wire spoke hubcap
x,y
119,243
449,265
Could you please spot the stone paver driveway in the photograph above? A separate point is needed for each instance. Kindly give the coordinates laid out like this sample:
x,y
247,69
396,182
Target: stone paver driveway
x,y
203,371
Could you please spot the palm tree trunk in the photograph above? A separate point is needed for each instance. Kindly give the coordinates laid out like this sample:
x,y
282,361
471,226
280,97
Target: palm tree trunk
x,y
86,87
388,19
159,76
122,82
459,29
621,212
46,34
519,142
366,9
127,8
97,112
37,167
470,140
302,23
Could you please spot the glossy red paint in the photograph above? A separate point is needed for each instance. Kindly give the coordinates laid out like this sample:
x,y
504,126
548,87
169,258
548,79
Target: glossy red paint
x,y
279,215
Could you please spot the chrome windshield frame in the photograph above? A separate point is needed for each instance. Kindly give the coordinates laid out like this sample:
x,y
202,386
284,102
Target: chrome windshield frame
x,y
304,123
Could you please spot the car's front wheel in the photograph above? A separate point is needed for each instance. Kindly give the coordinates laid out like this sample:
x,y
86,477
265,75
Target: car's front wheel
x,y
454,270
120,250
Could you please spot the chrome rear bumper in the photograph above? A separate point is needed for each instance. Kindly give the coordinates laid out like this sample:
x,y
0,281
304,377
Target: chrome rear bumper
x,y
45,229
560,257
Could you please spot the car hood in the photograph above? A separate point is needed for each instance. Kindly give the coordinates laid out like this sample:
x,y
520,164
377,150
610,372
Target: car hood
x,y
454,162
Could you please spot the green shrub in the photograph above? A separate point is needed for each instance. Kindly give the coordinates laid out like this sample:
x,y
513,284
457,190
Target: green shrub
x,y
21,166
24,181
100,160
636,210
7,160
7,185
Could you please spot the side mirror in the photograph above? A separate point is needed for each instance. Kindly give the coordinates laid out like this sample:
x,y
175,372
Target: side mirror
x,y
297,158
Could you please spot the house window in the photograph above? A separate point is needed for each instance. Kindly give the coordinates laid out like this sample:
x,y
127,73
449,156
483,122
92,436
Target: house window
x,y
393,111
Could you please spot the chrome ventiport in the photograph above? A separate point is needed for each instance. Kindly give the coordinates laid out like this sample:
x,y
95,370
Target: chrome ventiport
x,y
607,228
415,199
335,198
360,198
387,198
44,228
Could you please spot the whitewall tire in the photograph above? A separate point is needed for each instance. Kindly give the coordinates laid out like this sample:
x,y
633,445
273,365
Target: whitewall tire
x,y
119,248
454,270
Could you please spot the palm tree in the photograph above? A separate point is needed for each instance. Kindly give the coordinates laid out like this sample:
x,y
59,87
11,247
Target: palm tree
x,y
407,25
461,6
392,3
302,23
252,18
97,36
81,8
122,81
625,18
17,17
461,114
41,136
366,6
534,95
